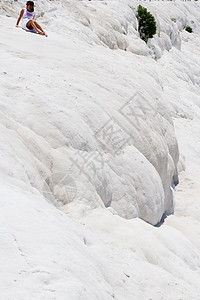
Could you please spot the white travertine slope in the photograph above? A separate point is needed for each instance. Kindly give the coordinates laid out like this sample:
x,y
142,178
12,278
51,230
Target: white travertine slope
x,y
80,112
126,102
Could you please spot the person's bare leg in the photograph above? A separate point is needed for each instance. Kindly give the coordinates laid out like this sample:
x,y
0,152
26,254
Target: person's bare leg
x,y
31,25
40,28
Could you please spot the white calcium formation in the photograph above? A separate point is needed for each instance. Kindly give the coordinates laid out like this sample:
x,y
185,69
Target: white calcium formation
x,y
87,123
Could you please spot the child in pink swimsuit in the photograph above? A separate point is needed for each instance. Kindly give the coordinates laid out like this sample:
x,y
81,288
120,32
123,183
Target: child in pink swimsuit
x,y
28,23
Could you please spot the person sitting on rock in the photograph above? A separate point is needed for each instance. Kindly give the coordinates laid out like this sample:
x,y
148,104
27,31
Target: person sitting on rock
x,y
27,15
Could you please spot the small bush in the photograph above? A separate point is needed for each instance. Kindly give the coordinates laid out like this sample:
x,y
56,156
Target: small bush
x,y
188,28
173,20
147,23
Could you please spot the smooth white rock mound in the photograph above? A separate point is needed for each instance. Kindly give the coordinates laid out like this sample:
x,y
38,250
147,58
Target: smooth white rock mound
x,y
104,124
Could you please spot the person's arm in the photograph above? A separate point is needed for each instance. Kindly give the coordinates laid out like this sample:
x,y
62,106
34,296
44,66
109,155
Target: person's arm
x,y
34,16
20,16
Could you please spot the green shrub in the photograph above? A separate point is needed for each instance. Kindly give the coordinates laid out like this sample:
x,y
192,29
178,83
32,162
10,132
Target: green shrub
x,y
188,28
147,23
173,20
